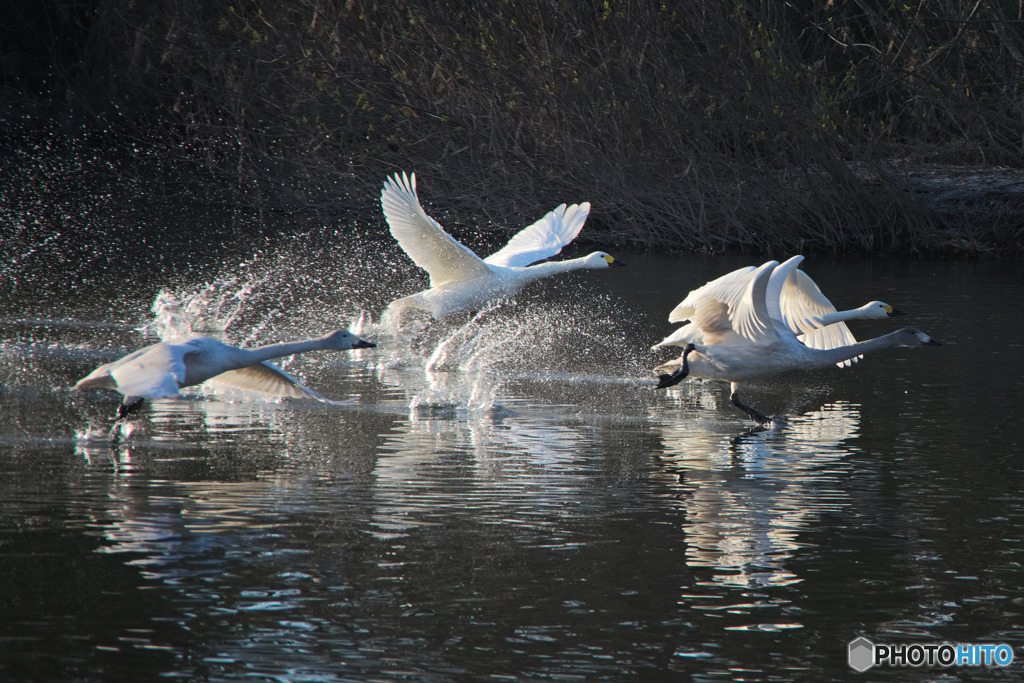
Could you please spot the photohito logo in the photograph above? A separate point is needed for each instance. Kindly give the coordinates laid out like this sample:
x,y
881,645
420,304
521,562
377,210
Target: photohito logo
x,y
864,654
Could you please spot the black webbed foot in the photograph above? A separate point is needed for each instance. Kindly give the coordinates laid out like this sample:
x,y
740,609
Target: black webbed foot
x,y
131,405
665,381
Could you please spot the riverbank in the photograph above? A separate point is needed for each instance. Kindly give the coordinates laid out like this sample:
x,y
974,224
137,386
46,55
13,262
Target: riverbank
x,y
718,127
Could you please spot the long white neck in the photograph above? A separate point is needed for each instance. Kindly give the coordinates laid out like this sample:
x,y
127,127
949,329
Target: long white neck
x,y
271,351
837,317
827,357
843,316
539,270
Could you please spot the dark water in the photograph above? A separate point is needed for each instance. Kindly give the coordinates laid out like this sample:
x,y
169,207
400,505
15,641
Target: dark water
x,y
531,510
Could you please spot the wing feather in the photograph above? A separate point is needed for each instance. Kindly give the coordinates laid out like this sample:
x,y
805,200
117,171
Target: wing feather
x,y
750,318
267,378
687,334
157,372
422,238
542,239
802,301
781,275
728,289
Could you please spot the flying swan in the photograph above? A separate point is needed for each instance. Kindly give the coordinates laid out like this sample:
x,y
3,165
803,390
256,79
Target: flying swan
x,y
804,309
459,279
160,370
740,337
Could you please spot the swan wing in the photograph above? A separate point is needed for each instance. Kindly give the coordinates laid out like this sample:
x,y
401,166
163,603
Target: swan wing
x,y
831,337
728,289
687,334
782,274
422,238
101,378
267,378
543,239
801,302
750,318
157,372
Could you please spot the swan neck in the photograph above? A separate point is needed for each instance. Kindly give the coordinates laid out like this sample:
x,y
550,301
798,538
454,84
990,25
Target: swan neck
x,y
837,317
271,351
547,268
831,356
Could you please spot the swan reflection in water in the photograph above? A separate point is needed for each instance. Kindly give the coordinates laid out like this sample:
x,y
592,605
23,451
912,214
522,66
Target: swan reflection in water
x,y
517,472
747,498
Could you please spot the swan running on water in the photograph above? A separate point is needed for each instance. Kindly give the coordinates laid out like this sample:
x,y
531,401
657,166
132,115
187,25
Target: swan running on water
x,y
459,279
804,309
741,337
160,370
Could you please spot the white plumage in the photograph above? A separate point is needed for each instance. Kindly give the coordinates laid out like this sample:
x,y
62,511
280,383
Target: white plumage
x,y
802,306
735,336
459,279
160,370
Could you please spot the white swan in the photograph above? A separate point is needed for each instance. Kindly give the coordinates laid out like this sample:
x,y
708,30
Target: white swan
x,y
747,338
160,370
459,279
804,309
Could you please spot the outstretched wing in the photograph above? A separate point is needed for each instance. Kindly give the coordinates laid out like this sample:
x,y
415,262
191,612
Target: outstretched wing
x,y
751,318
728,289
422,238
267,378
802,301
157,372
543,239
100,378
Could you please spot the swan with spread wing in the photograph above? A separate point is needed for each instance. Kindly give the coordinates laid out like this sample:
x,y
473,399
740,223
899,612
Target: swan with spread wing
x,y
738,331
459,279
161,370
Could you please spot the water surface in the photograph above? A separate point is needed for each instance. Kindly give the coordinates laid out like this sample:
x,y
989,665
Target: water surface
x,y
530,509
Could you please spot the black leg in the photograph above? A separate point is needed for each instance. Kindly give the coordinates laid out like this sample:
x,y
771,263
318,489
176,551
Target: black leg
x,y
754,414
665,381
131,405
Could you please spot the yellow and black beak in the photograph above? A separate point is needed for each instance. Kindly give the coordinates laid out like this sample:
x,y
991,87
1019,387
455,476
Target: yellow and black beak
x,y
892,312
612,263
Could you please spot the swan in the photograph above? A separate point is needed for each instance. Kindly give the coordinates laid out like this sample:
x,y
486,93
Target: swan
x,y
749,339
459,279
804,309
160,370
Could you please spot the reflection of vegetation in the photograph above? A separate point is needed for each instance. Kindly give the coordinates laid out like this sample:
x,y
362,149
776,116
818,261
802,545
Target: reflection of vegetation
x,y
740,124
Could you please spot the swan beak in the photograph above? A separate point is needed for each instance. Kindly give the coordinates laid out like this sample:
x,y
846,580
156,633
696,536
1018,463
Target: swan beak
x,y
892,312
612,263
363,344
931,342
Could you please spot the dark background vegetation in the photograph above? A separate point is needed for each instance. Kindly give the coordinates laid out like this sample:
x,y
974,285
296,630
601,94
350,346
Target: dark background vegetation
x,y
839,126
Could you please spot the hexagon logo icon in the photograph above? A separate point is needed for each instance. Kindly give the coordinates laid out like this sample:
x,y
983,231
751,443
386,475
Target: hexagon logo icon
x,y
862,654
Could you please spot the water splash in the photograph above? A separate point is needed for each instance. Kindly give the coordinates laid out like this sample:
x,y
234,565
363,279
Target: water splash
x,y
465,366
207,311
23,243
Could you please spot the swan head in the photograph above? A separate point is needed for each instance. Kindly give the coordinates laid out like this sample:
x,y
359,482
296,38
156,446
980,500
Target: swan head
x,y
879,309
911,336
600,259
343,340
